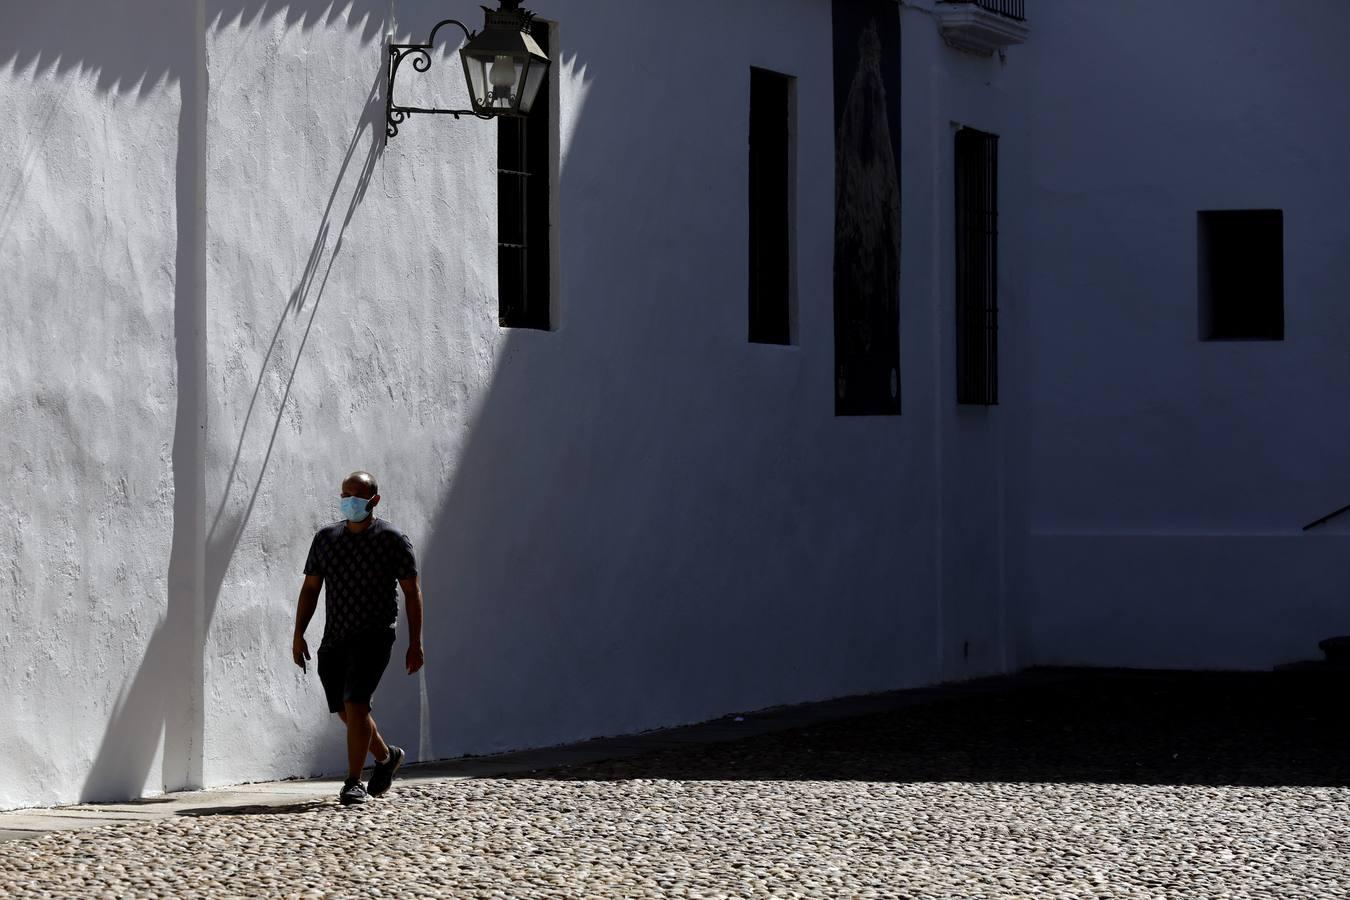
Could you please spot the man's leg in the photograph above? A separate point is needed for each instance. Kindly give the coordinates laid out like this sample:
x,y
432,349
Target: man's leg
x,y
362,737
378,748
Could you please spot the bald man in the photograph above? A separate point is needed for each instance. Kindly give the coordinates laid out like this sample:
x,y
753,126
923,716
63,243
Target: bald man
x,y
359,559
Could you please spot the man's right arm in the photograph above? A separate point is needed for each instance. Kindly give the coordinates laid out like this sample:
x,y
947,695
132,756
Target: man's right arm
x,y
304,611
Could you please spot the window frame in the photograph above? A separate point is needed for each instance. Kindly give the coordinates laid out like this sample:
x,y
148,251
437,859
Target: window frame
x,y
527,184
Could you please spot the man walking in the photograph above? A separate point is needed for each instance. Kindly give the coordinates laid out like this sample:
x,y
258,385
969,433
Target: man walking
x,y
358,559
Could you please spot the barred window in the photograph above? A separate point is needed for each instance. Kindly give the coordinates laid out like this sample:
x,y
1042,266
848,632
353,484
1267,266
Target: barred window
x,y
523,197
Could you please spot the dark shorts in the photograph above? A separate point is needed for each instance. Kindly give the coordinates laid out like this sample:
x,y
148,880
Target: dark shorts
x,y
350,670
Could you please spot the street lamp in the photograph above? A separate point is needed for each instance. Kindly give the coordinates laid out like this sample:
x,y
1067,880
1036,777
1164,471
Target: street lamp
x,y
503,65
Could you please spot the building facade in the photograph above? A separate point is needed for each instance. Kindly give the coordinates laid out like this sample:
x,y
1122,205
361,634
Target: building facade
x,y
844,360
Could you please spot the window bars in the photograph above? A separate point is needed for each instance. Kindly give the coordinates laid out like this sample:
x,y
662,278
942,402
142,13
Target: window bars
x,y
524,281
1012,9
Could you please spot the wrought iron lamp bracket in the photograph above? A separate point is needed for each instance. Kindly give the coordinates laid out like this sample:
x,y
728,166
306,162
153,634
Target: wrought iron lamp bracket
x,y
394,114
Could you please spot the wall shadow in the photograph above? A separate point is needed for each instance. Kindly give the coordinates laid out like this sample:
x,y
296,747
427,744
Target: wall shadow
x,y
133,48
1098,727
232,514
624,520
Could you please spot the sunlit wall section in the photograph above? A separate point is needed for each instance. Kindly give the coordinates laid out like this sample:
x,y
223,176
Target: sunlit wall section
x,y
89,240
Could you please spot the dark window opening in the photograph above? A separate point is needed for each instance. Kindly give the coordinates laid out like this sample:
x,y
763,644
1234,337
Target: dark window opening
x,y
523,198
770,207
976,267
1241,275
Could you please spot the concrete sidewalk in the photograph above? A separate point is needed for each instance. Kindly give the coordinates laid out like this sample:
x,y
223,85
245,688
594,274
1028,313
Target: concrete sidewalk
x,y
302,794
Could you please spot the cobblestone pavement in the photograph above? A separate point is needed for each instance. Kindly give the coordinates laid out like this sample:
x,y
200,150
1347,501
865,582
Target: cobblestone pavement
x,y
1110,785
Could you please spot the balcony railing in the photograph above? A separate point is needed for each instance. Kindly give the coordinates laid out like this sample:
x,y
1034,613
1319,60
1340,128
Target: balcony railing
x,y
984,27
1013,9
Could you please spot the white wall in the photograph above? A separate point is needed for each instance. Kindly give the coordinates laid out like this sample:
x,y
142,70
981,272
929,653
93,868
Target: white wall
x,y
226,293
756,550
322,358
89,229
1171,476
980,504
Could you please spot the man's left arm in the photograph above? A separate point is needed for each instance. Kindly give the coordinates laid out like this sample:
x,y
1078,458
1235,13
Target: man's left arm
x,y
412,601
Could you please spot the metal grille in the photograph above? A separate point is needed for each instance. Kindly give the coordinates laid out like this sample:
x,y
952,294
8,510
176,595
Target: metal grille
x,y
976,267
523,195
1013,9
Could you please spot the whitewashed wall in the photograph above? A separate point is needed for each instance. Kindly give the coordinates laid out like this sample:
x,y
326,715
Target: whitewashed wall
x,y
652,521
89,247
1171,476
977,453
224,293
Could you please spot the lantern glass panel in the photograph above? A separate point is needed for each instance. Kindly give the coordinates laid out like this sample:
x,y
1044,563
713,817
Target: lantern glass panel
x,y
476,71
534,79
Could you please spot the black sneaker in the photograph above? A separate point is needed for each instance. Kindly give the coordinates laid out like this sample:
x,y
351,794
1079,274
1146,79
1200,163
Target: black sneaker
x,y
383,776
353,791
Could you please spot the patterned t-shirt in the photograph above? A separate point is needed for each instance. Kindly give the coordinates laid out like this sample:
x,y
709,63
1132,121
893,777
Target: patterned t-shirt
x,y
360,571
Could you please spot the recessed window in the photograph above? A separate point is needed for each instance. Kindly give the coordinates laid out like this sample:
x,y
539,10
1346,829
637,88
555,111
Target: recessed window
x,y
523,209
976,267
770,207
1241,274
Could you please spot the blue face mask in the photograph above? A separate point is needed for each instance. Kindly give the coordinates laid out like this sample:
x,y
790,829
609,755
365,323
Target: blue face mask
x,y
354,508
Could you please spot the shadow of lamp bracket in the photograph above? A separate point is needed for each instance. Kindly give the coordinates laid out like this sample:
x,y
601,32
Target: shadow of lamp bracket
x,y
503,66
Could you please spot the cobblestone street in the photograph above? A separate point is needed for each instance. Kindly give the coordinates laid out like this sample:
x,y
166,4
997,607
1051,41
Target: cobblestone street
x,y
1105,785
